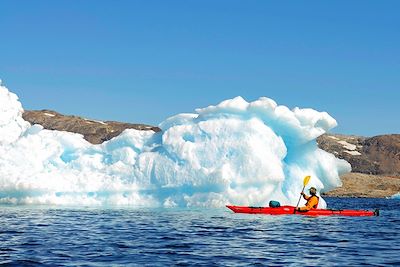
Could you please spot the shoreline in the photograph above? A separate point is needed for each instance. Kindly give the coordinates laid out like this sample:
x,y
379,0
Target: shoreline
x,y
359,185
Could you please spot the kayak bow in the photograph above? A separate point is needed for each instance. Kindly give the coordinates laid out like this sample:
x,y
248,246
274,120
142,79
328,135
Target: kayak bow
x,y
290,210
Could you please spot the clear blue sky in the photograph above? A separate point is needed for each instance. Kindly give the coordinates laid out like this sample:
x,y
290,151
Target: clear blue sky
x,y
143,61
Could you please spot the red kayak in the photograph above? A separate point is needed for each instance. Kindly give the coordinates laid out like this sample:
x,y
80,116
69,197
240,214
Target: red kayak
x,y
290,210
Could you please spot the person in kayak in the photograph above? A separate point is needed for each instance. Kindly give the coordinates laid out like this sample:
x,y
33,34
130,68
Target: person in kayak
x,y
312,200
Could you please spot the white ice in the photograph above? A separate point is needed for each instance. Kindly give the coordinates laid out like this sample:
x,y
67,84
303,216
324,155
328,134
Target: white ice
x,y
237,152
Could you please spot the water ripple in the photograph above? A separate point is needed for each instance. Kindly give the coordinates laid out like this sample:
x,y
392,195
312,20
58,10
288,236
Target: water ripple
x,y
33,236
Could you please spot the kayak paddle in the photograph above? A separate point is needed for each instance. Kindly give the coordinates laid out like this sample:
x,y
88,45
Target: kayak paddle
x,y
305,182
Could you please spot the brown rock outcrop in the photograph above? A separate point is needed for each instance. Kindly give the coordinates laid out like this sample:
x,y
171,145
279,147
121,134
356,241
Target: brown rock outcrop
x,y
94,131
379,155
385,151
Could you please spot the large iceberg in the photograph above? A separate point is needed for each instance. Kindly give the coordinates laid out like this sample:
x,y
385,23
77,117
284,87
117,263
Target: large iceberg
x,y
233,153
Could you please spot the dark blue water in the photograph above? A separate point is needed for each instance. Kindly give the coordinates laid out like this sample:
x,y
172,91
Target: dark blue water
x,y
203,237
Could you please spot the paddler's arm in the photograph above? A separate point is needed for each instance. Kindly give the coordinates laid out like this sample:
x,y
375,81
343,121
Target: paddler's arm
x,y
305,196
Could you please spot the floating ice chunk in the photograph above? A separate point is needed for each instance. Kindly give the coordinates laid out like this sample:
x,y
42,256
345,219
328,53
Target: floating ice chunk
x,y
236,152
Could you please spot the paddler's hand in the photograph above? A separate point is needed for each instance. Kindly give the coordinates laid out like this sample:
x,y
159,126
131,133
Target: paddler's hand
x,y
302,193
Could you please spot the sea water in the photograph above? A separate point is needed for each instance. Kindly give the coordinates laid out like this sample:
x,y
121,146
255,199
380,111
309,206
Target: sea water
x,y
87,236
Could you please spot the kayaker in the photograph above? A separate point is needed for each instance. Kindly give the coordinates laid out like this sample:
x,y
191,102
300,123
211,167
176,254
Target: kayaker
x,y
312,200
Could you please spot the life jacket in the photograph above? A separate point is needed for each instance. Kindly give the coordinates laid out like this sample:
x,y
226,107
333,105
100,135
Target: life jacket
x,y
309,199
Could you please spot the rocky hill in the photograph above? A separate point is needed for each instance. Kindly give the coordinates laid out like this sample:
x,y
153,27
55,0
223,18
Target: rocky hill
x,y
375,164
94,131
379,155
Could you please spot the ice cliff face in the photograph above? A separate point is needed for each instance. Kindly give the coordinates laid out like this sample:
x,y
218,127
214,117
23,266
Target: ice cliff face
x,y
11,123
233,153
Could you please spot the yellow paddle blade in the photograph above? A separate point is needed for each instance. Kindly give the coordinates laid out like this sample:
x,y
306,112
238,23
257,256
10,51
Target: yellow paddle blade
x,y
306,180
